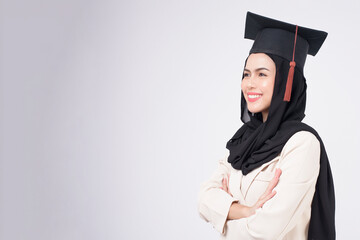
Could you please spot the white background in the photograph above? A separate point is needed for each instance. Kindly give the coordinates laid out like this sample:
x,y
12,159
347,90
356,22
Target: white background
x,y
112,113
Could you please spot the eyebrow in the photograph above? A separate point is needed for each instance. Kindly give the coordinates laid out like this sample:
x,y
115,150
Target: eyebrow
x,y
258,69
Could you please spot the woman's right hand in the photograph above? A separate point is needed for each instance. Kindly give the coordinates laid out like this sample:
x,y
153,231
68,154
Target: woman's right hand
x,y
238,211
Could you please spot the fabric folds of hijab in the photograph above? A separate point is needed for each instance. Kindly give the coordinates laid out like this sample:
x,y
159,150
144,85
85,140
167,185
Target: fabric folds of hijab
x,y
258,142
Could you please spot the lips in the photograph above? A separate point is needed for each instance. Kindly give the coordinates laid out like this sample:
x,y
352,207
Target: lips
x,y
253,97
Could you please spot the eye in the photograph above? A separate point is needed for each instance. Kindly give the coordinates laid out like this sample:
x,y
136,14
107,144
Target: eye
x,y
262,75
245,74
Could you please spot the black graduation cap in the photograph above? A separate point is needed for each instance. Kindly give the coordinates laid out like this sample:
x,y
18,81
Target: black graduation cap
x,y
287,40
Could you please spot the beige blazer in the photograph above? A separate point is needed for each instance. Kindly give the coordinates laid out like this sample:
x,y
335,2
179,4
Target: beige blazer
x,y
286,216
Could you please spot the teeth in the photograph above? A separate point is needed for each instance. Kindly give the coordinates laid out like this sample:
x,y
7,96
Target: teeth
x,y
254,96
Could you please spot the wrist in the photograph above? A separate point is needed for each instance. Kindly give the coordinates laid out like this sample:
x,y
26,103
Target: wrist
x,y
238,211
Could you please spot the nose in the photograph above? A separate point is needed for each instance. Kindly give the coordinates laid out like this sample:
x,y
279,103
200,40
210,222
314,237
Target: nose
x,y
250,82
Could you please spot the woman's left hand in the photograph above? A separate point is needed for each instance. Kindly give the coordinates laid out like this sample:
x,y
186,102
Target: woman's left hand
x,y
225,185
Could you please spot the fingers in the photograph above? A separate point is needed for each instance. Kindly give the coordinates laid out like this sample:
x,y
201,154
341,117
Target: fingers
x,y
264,199
225,185
273,183
270,192
278,172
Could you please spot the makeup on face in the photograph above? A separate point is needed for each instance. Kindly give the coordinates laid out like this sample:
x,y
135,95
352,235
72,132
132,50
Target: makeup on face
x,y
258,83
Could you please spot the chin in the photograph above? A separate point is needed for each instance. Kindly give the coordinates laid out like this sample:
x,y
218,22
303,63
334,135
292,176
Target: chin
x,y
254,110
257,107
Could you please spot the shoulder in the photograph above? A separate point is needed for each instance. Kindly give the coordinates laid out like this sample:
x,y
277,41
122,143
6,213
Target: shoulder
x,y
302,138
300,156
302,142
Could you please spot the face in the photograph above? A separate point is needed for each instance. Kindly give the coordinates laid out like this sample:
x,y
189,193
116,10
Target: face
x,y
258,83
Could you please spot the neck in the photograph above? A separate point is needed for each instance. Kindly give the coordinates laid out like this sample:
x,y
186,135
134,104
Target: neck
x,y
264,116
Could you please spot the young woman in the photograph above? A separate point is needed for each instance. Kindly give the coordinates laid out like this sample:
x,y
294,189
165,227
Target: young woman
x,y
273,148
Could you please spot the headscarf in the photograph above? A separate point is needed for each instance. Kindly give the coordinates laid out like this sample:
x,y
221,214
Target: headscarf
x,y
258,142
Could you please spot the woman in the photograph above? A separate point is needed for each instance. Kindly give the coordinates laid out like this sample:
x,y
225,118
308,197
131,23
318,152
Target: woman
x,y
273,149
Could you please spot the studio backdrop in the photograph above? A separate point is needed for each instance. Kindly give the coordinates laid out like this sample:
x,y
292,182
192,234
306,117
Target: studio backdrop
x,y
112,113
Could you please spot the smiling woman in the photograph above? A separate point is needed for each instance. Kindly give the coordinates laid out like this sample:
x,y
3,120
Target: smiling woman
x,y
276,181
258,83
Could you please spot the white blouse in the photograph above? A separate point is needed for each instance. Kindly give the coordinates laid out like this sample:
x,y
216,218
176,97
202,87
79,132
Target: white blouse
x,y
286,216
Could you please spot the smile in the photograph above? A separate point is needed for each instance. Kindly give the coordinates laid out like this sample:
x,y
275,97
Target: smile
x,y
253,97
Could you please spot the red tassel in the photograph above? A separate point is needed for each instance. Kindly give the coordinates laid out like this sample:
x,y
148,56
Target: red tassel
x,y
289,81
290,78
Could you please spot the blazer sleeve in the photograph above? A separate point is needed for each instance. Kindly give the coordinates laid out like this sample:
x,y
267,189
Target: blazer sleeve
x,y
300,165
213,202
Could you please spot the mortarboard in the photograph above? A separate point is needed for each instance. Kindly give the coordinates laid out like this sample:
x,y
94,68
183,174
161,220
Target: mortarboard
x,y
286,40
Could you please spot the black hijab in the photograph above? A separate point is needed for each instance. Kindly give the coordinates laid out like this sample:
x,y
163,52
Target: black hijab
x,y
258,142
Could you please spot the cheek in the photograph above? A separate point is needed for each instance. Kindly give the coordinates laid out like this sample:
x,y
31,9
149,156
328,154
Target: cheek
x,y
267,85
242,85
